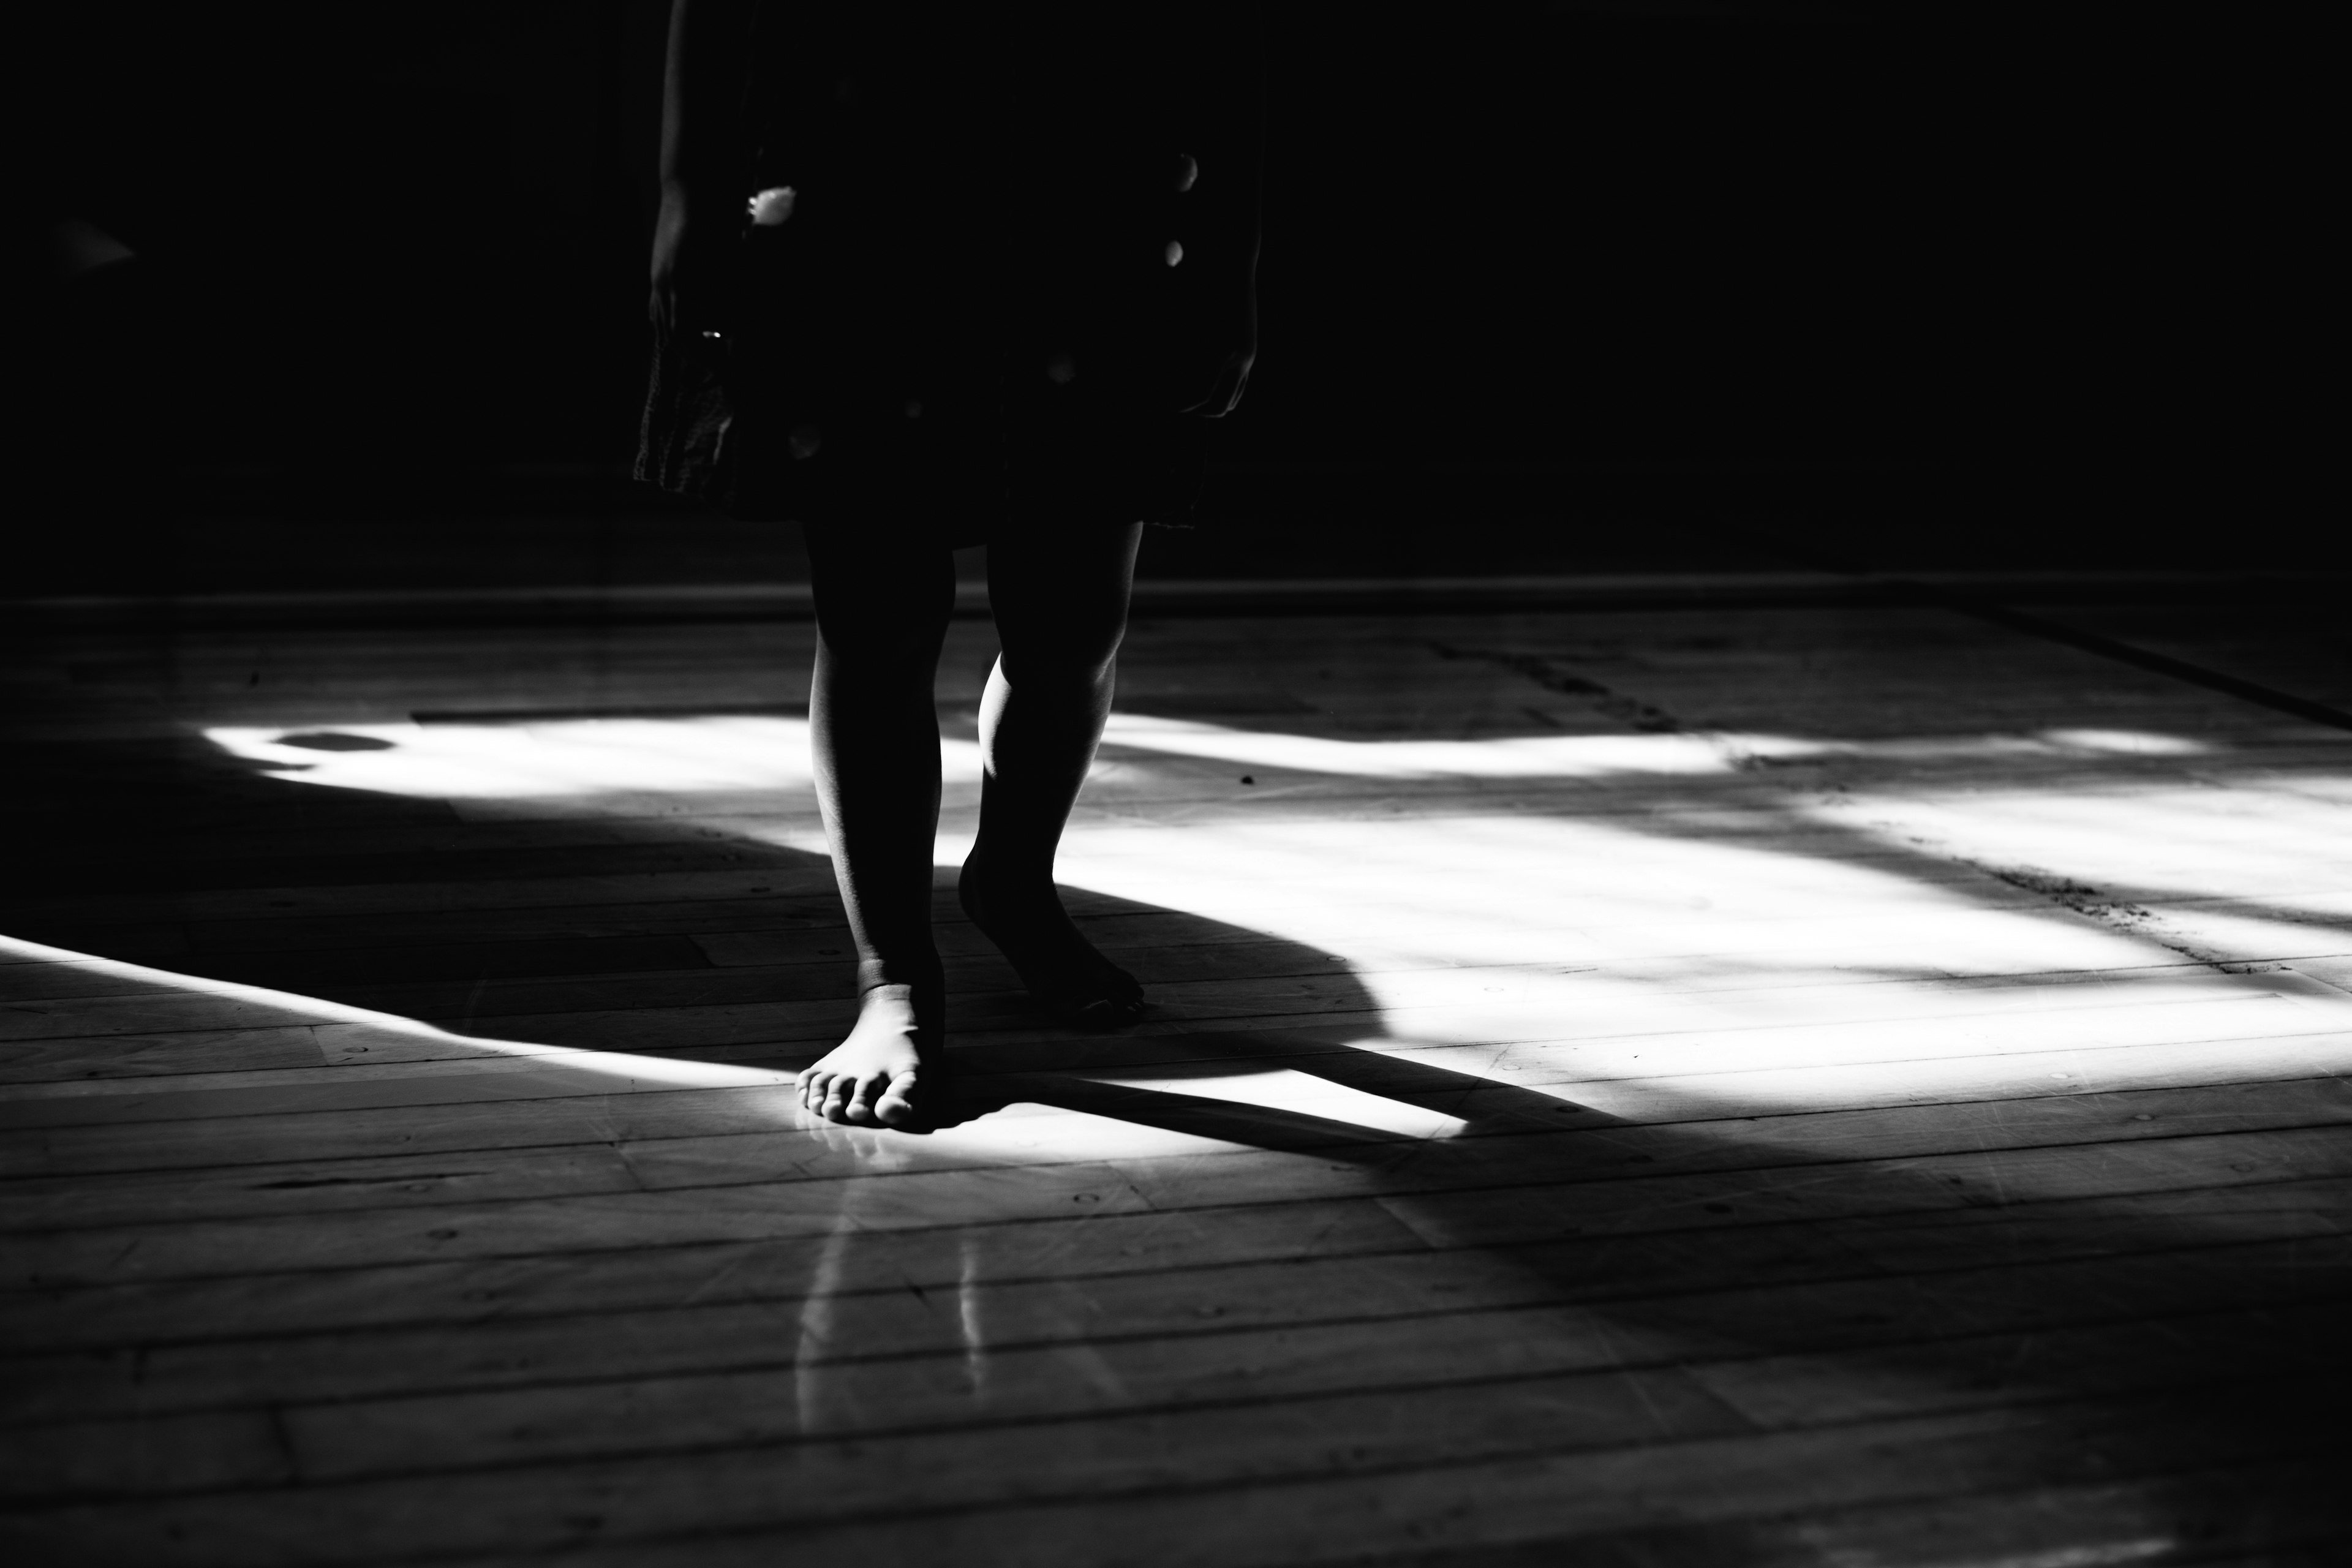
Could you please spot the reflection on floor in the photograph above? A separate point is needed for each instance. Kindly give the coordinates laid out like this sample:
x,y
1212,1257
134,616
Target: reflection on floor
x,y
1855,1087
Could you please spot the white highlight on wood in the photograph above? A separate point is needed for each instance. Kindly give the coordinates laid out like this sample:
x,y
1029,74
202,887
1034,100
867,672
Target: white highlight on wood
x,y
1575,950
559,757
292,1008
698,754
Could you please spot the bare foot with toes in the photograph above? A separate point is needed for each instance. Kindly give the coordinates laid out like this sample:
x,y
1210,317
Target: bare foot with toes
x,y
880,1076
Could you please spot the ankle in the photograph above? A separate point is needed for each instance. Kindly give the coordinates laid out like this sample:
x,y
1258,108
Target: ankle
x,y
917,1011
918,977
1008,875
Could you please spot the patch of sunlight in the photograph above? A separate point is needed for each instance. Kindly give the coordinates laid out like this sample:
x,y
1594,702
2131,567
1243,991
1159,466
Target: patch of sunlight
x,y
699,755
1529,756
1023,1132
1585,952
1788,955
2237,935
554,757
1283,1088
1588,756
2140,843
2127,743
1464,888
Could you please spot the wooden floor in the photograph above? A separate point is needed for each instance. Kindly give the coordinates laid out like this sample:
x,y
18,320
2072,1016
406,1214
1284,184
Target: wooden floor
x,y
1732,1086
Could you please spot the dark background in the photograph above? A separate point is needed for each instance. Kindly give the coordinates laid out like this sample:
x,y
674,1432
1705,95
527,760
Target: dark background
x,y
1544,287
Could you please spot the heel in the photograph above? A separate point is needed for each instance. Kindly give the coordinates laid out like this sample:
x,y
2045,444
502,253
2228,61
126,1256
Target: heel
x,y
1107,998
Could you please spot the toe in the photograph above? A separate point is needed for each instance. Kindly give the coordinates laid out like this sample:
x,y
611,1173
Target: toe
x,y
836,1105
859,1107
894,1106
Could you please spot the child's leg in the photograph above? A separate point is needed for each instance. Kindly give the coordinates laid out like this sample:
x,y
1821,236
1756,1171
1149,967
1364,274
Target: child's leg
x,y
1061,609
882,610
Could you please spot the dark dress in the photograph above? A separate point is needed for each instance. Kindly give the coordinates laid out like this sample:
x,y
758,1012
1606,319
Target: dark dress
x,y
1022,245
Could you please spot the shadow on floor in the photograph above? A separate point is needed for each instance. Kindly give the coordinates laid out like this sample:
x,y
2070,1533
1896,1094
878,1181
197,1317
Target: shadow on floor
x,y
2180,1355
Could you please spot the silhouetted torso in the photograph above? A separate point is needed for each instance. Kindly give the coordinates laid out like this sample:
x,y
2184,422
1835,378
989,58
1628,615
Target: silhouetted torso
x,y
986,204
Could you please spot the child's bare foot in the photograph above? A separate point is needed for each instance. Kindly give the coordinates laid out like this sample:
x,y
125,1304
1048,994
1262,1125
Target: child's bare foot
x,y
1063,972
879,1075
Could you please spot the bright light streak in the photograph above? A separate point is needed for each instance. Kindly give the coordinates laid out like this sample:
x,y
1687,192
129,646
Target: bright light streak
x,y
2145,842
1531,756
1281,1089
304,1010
559,757
1586,756
2127,743
688,756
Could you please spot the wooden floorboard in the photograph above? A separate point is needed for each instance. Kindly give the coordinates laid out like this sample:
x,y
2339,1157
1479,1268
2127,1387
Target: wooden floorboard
x,y
1116,1508
1255,1333
1735,1085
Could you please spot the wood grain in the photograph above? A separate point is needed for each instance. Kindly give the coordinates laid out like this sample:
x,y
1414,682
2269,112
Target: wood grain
x,y
1889,1109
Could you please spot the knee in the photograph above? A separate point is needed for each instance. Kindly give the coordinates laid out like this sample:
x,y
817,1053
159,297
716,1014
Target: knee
x,y
1061,602
877,625
862,656
1077,650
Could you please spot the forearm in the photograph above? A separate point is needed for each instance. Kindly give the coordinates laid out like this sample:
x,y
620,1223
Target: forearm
x,y
701,93
701,83
1227,136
